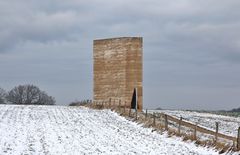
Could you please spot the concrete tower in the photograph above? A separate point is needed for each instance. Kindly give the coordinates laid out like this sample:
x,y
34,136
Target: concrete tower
x,y
118,69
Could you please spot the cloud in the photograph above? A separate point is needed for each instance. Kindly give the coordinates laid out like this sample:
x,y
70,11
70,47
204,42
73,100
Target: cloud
x,y
40,27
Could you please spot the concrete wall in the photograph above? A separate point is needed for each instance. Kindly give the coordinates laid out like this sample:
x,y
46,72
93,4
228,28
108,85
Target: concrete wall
x,y
118,69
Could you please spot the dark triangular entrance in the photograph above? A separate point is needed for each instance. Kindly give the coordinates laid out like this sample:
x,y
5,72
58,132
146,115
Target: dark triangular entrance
x,y
134,100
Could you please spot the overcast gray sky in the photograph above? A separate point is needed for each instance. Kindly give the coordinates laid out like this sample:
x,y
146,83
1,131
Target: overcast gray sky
x,y
191,48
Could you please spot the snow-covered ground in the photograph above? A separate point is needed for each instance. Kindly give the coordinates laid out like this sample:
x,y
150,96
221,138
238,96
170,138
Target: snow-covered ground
x,y
227,125
75,130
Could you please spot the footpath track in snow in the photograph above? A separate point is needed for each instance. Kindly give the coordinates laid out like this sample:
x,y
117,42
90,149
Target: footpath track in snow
x,y
75,130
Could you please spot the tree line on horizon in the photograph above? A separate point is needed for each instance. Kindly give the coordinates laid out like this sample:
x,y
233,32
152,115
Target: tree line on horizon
x,y
26,95
80,103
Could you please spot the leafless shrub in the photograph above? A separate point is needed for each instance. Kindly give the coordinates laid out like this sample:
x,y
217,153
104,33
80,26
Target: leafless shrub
x,y
80,103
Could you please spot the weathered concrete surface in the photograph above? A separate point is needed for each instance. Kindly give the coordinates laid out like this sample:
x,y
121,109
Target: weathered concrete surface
x,y
118,69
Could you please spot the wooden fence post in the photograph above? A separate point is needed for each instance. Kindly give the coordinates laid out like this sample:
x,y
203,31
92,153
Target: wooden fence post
x,y
216,133
166,121
119,106
179,126
129,112
238,139
109,104
136,113
195,132
91,105
161,120
114,104
154,119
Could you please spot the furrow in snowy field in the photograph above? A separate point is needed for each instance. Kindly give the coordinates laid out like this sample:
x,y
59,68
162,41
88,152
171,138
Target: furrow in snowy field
x,y
75,130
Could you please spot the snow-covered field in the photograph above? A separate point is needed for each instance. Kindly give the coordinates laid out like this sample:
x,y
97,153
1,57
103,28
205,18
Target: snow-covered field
x,y
227,125
75,130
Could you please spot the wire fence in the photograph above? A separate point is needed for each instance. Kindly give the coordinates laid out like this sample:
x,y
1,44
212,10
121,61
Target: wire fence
x,y
173,125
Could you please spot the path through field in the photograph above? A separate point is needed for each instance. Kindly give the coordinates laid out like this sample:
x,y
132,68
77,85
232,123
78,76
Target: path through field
x,y
75,130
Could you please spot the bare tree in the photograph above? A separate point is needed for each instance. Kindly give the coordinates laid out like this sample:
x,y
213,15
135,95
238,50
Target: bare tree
x,y
29,94
3,95
45,99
